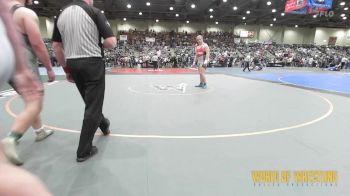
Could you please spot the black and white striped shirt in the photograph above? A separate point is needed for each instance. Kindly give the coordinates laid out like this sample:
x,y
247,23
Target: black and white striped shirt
x,y
80,28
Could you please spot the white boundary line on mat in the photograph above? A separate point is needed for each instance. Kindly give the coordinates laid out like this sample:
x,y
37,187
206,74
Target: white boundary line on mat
x,y
246,133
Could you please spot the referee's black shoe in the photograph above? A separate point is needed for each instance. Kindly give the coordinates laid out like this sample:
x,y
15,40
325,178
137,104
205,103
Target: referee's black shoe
x,y
93,151
104,126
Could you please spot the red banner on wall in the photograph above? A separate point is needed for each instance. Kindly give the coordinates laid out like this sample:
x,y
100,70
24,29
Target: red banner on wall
x,y
332,41
292,5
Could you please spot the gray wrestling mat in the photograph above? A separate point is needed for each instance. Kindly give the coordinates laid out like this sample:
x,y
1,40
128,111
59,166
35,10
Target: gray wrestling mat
x,y
172,139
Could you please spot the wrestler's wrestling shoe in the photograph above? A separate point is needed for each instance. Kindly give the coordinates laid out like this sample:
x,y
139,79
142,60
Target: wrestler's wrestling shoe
x,y
199,85
9,146
43,134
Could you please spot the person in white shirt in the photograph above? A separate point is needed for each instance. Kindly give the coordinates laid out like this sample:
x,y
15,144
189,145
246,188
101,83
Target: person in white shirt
x,y
344,61
247,61
155,61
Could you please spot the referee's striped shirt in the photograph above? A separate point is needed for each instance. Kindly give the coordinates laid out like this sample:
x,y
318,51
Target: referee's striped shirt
x,y
79,33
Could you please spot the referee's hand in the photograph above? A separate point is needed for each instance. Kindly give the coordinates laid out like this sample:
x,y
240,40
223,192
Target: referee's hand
x,y
69,78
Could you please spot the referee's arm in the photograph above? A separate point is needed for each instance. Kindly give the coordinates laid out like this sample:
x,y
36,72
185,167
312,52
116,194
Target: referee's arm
x,y
58,46
110,43
58,49
105,30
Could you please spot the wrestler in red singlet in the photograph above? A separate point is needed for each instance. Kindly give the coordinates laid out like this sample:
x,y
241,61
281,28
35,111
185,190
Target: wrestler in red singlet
x,y
201,60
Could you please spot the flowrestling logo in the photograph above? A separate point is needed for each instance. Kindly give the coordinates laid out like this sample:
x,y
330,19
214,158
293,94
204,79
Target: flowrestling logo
x,y
327,14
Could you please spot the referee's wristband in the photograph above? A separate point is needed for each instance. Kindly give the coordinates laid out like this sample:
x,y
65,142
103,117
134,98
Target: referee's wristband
x,y
65,69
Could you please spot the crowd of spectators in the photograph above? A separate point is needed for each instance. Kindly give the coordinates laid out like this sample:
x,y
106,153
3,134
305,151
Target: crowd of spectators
x,y
176,49
173,49
312,56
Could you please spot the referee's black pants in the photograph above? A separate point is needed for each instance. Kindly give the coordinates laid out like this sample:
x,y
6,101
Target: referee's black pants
x,y
246,65
155,65
89,77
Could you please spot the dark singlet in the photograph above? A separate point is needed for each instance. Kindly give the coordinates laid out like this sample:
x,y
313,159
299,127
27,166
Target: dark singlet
x,y
30,53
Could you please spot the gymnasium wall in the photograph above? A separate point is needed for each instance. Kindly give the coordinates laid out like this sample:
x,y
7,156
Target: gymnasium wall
x,y
271,34
43,27
299,35
322,35
278,34
179,26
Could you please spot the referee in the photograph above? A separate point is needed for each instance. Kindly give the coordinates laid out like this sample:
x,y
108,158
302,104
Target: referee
x,y
77,44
